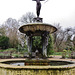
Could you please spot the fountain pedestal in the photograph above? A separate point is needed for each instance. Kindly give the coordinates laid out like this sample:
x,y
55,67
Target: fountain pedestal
x,y
38,29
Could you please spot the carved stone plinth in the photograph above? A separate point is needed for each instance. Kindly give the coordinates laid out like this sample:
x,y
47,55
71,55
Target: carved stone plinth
x,y
38,19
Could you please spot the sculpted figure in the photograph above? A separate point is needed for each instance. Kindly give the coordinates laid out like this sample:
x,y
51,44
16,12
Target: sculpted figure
x,y
38,7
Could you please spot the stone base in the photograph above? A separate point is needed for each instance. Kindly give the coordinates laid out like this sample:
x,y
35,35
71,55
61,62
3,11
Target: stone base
x,y
38,19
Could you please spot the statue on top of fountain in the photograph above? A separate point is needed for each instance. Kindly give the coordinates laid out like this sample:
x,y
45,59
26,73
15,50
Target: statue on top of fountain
x,y
38,8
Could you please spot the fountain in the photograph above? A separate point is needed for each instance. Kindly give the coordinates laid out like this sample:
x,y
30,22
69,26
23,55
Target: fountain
x,y
37,65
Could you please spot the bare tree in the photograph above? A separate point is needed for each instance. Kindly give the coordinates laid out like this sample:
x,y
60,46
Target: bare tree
x,y
62,38
27,18
2,30
58,38
73,37
12,31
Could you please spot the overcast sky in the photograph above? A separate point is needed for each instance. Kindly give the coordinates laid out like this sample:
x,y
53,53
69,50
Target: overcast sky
x,y
52,11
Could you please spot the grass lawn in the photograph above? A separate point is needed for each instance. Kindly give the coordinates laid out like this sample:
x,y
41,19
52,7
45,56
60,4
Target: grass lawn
x,y
57,53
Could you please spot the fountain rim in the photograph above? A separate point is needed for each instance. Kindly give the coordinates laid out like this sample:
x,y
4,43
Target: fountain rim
x,y
7,66
39,24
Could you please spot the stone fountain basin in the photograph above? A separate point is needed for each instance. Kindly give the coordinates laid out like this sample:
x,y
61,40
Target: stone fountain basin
x,y
34,27
6,69
36,62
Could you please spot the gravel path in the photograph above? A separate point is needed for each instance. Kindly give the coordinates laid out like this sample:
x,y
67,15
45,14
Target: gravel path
x,y
60,58
53,58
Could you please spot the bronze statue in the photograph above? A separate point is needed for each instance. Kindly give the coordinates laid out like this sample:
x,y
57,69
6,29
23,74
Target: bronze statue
x,y
38,7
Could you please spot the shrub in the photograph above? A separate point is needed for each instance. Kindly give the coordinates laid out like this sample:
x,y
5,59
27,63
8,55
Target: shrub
x,y
4,42
57,53
50,45
66,54
37,43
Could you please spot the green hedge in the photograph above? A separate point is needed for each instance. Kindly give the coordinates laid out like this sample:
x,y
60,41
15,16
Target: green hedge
x,y
4,42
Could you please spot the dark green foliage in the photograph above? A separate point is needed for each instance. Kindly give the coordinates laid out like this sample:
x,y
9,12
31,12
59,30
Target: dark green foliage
x,y
4,42
50,45
25,46
37,43
21,48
